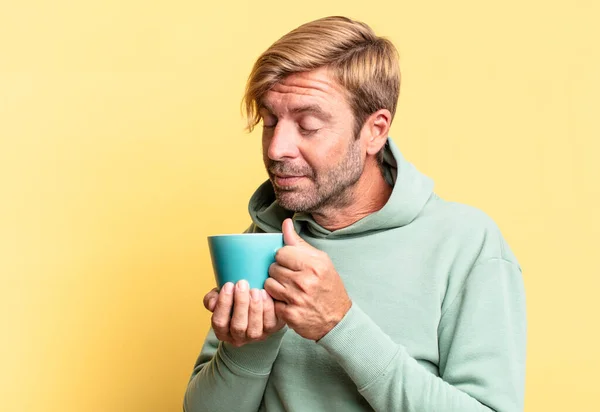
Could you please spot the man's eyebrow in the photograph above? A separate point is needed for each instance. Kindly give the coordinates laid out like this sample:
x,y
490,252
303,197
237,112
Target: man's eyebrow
x,y
265,106
310,108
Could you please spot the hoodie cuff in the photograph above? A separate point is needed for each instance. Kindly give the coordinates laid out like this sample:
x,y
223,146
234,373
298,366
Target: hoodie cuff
x,y
255,358
360,347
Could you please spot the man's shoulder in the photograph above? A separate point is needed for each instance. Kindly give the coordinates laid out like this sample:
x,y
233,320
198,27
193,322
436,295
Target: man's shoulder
x,y
457,215
467,224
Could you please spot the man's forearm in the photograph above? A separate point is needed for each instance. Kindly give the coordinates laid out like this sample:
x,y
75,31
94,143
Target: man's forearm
x,y
392,381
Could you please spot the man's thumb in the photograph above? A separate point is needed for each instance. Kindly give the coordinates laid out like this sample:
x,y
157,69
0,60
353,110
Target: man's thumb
x,y
290,237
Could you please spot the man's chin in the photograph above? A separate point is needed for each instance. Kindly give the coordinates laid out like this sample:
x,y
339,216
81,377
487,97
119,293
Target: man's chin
x,y
288,205
293,202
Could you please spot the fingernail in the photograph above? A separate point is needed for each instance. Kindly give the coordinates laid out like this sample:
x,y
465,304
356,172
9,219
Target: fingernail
x,y
264,295
228,288
242,285
255,294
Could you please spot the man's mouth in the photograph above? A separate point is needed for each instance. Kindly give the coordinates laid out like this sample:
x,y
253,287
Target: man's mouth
x,y
286,180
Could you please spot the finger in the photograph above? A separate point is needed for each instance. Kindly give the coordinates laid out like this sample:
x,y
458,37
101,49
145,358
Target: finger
x,y
276,290
210,299
239,320
222,312
269,318
290,237
212,303
282,274
255,315
281,311
291,257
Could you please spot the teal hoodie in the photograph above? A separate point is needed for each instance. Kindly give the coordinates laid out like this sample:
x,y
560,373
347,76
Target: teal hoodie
x,y
437,322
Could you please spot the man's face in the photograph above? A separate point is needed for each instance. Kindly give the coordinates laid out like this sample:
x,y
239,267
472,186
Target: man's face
x,y
309,149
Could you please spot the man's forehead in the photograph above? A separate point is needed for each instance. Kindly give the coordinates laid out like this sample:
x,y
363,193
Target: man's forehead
x,y
301,90
314,81
292,102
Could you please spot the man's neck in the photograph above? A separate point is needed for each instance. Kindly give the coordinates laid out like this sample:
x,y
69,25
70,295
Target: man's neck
x,y
369,195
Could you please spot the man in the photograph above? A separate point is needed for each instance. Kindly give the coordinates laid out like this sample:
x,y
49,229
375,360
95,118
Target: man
x,y
385,297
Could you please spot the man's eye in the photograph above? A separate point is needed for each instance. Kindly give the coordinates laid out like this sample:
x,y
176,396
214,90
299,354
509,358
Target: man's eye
x,y
308,126
269,123
307,132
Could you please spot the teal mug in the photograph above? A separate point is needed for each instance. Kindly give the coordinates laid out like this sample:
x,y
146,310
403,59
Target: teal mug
x,y
243,256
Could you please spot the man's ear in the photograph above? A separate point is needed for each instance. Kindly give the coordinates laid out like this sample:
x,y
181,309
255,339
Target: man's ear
x,y
376,128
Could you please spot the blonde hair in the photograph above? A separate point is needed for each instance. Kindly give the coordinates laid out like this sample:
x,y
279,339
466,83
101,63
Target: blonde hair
x,y
363,63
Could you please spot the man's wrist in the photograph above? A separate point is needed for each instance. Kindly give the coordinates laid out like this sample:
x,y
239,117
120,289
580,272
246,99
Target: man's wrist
x,y
256,357
336,319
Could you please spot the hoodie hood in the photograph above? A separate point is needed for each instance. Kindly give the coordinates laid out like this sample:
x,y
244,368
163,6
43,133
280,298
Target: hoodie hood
x,y
411,191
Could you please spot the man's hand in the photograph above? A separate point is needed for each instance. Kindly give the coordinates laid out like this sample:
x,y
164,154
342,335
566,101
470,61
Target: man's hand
x,y
309,293
253,318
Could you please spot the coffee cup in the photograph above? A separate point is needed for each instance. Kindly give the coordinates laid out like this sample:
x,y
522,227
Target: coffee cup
x,y
243,256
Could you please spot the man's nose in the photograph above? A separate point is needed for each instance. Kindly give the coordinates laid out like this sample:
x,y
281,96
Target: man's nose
x,y
283,143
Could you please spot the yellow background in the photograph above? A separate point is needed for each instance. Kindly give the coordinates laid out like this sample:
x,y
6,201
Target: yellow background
x,y
121,149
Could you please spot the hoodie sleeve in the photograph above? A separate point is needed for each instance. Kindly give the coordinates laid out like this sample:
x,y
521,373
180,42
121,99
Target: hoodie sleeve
x,y
482,339
226,378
